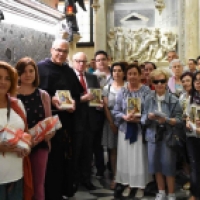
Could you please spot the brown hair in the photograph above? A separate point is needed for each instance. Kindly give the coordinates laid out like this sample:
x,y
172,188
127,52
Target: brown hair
x,y
13,77
22,64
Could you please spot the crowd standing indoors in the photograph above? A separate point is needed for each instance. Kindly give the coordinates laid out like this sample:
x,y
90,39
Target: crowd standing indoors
x,y
146,118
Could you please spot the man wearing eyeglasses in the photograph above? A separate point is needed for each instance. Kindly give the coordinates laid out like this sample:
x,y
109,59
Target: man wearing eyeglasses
x,y
86,124
55,74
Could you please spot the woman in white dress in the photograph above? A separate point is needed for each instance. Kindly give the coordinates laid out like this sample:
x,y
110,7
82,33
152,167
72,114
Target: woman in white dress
x,y
132,168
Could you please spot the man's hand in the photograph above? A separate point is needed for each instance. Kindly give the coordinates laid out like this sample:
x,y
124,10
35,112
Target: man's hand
x,y
57,104
87,97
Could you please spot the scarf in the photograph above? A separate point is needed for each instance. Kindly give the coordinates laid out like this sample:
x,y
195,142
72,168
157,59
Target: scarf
x,y
131,132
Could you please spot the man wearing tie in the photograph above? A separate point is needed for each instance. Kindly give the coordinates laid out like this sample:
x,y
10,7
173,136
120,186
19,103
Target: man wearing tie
x,y
86,124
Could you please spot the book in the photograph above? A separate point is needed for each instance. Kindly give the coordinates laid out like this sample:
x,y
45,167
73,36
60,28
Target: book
x,y
197,120
192,114
65,98
134,106
96,102
159,113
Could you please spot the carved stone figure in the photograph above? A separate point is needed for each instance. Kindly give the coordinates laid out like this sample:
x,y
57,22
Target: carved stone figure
x,y
111,42
142,45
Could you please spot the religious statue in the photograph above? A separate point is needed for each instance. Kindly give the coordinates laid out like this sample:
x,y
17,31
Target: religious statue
x,y
70,13
111,42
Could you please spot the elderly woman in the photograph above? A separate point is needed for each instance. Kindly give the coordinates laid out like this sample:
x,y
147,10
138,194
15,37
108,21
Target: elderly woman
x,y
131,157
193,137
12,114
161,112
174,83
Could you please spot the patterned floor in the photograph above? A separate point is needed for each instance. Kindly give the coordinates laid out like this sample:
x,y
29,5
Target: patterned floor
x,y
104,193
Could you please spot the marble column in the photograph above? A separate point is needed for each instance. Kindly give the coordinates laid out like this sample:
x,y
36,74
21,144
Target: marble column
x,y
99,24
191,29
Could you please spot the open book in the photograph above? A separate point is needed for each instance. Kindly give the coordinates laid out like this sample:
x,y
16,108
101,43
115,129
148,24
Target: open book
x,y
65,98
134,106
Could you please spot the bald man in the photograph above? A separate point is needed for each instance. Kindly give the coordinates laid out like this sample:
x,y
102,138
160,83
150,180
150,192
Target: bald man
x,y
55,74
86,124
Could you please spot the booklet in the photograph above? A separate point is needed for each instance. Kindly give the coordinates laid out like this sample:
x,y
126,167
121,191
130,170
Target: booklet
x,y
134,106
96,102
159,113
197,121
192,114
65,98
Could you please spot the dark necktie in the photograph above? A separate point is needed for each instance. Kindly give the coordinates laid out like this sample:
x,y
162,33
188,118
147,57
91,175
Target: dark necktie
x,y
82,81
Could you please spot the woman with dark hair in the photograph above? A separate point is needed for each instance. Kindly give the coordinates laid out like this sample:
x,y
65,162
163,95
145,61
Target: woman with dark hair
x,y
12,115
131,153
37,105
110,130
193,134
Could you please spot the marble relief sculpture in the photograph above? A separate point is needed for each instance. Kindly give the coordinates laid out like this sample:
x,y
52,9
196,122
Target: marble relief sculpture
x,y
143,44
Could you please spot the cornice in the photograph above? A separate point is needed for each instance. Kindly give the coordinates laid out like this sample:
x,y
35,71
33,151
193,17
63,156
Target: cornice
x,y
32,10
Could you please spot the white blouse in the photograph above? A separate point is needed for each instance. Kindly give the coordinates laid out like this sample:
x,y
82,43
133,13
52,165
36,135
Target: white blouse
x,y
10,164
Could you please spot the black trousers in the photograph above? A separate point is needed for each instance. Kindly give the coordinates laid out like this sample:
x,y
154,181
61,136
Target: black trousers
x,y
98,147
193,148
82,143
57,180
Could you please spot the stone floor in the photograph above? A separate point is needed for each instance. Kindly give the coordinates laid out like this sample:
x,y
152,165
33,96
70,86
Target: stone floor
x,y
103,192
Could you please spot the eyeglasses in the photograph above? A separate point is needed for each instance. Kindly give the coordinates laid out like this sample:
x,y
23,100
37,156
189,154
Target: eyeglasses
x,y
162,81
102,59
81,61
61,50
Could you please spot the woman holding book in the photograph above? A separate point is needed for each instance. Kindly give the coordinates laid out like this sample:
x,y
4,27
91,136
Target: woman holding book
x,y
110,130
37,106
161,112
11,159
132,156
193,140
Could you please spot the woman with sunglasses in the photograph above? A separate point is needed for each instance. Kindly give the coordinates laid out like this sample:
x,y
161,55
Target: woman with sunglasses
x,y
131,153
193,138
161,111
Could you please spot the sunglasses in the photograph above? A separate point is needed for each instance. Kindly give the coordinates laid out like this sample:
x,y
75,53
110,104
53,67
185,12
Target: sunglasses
x,y
162,81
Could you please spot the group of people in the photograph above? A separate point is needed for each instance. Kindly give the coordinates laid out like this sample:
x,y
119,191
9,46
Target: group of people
x,y
137,145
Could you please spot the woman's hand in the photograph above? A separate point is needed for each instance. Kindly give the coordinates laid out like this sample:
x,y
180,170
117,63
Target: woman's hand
x,y
152,116
114,128
49,136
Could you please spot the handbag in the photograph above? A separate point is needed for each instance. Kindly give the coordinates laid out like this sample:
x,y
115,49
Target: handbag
x,y
177,138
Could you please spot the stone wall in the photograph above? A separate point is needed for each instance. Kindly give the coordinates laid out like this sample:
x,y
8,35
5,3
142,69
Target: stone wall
x,y
17,42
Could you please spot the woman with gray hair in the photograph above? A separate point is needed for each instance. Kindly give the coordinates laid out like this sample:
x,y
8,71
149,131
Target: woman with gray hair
x,y
174,83
161,112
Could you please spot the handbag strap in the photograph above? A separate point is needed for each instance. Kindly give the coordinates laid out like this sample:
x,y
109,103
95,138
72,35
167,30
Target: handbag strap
x,y
171,109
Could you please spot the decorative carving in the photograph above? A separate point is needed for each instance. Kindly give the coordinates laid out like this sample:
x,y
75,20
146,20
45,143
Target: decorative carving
x,y
160,5
143,44
96,5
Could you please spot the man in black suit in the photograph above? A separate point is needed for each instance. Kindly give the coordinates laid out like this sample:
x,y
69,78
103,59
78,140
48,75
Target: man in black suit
x,y
86,124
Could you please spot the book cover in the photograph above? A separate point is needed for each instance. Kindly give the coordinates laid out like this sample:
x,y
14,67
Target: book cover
x,y
192,114
96,102
197,120
134,106
65,98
